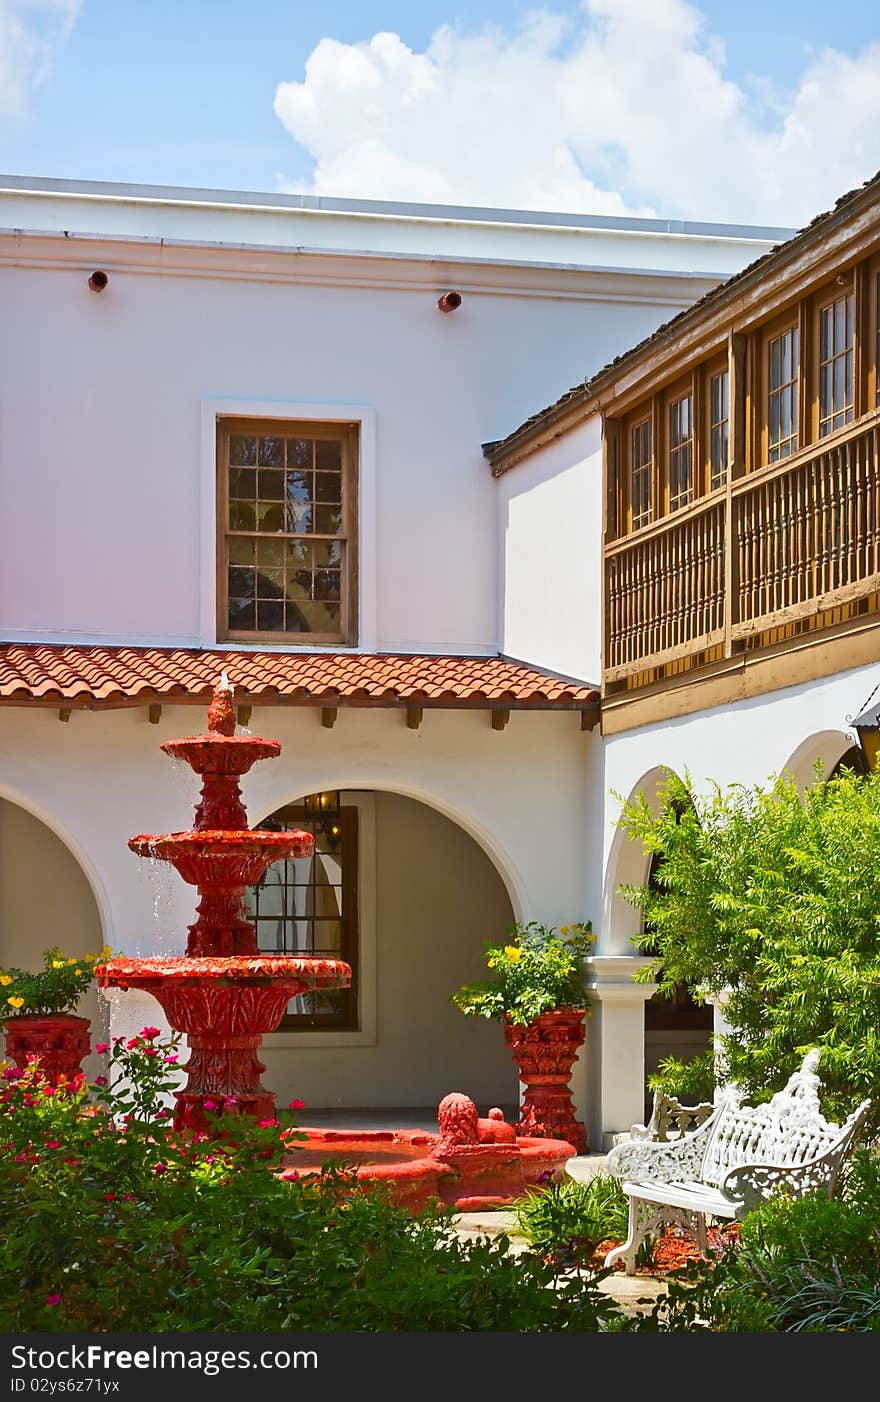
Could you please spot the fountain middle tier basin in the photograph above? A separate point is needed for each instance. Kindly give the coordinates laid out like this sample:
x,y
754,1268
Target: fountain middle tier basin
x,y
219,857
419,1170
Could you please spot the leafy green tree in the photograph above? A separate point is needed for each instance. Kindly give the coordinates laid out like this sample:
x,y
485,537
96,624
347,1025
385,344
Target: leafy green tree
x,y
772,896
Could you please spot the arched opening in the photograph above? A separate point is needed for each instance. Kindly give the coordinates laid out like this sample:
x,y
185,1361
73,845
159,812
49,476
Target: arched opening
x,y
410,899
45,900
832,749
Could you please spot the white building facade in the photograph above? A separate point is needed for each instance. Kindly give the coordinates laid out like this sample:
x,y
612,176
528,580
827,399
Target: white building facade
x,y
473,802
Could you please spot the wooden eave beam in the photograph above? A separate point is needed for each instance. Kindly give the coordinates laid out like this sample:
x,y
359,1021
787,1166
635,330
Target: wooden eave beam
x,y
244,714
154,712
328,717
414,715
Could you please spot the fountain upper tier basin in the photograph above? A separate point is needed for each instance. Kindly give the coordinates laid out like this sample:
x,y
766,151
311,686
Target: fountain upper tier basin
x,y
222,857
216,753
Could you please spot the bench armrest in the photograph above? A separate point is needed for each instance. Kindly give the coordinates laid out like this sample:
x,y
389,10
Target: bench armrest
x,y
653,1161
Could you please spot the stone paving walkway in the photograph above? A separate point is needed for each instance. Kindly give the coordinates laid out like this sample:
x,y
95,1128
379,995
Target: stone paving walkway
x,y
636,1293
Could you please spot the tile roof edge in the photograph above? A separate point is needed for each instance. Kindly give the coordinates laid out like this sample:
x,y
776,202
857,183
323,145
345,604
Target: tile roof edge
x,y
498,450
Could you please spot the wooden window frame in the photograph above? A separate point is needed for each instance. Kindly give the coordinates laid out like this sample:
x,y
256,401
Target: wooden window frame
x,y
346,1019
842,286
646,413
868,343
324,431
789,320
676,394
710,371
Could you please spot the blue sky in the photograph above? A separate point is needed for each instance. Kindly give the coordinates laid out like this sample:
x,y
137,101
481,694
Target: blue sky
x,y
185,93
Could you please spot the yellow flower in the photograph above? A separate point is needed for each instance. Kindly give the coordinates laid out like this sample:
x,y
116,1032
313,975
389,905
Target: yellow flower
x,y
16,1002
71,961
57,963
513,953
566,930
491,963
5,980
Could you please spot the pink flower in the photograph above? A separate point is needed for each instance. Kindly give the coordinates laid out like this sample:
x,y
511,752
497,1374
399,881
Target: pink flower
x,y
211,1158
118,1039
158,1168
150,1032
102,1047
100,1080
53,1144
171,1058
210,1104
21,1158
53,1299
230,1102
297,1105
132,1043
267,1124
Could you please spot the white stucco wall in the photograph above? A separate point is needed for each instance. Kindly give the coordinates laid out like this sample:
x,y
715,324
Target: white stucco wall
x,y
550,529
516,798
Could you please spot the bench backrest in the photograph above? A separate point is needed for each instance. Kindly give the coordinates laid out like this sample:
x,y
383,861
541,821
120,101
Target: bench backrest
x,y
789,1130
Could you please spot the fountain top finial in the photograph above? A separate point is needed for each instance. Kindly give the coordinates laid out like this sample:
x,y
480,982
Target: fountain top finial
x,y
221,712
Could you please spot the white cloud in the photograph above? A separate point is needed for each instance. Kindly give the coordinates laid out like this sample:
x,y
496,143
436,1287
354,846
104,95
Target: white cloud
x,y
624,108
30,33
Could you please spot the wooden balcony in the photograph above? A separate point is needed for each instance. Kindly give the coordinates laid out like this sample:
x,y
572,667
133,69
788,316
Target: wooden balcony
x,y
783,545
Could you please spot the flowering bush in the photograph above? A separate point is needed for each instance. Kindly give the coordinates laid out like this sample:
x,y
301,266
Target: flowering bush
x,y
121,1223
56,988
537,971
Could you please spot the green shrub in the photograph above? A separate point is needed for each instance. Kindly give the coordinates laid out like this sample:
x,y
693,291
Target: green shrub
x,y
570,1218
539,970
773,895
808,1265
691,1082
114,1222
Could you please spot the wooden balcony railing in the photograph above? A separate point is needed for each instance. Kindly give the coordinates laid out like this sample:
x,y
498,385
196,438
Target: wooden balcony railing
x,y
805,538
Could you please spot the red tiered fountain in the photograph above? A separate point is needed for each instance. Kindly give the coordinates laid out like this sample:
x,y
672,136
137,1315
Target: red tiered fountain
x,y
224,994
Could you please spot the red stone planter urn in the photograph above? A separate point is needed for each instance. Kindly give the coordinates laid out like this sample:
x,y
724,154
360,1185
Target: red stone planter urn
x,y
60,1040
545,1051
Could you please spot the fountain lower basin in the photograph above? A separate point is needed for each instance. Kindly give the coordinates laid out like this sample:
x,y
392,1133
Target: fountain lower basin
x,y
419,1170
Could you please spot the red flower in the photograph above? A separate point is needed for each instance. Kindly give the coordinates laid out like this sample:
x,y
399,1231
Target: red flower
x,y
100,1080
297,1105
133,1042
151,1032
102,1047
267,1124
158,1168
53,1299
111,1197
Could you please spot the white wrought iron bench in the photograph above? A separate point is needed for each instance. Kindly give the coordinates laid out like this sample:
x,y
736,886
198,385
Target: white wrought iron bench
x,y
734,1159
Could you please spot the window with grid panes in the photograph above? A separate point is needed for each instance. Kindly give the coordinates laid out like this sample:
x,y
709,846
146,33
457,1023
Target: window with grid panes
x,y
719,429
782,403
641,474
836,364
308,905
288,512
681,452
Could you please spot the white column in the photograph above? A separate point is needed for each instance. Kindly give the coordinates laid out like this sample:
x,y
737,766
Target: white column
x,y
615,1052
720,1026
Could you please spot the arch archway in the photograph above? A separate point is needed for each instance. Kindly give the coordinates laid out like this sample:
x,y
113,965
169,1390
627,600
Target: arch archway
x,y
46,899
825,747
427,898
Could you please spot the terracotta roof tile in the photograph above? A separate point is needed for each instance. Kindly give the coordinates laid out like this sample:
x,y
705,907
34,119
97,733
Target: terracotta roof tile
x,y
117,676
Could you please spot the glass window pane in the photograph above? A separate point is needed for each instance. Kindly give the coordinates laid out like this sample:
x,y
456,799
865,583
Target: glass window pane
x,y
242,516
242,483
270,552
271,452
242,450
328,520
299,452
242,550
299,486
328,486
270,616
271,485
241,613
241,584
328,455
